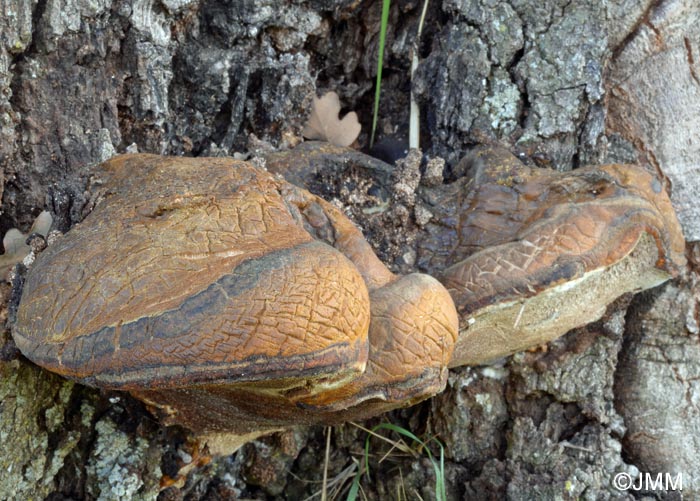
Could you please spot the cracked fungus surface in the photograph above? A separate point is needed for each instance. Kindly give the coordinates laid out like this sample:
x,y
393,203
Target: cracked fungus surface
x,y
186,268
546,228
535,253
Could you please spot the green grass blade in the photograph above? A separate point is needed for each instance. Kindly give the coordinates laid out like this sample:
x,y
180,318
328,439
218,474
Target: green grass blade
x,y
380,63
355,487
439,468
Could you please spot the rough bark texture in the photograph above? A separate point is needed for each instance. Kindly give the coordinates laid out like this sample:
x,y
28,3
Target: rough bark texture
x,y
565,83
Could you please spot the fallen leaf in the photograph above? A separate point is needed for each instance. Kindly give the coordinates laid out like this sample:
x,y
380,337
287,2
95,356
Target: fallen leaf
x,y
14,242
324,122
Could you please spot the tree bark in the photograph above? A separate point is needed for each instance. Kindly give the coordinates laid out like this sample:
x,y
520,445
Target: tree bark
x,y
562,83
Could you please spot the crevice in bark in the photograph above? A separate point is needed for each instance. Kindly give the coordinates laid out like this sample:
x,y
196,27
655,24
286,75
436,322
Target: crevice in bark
x,y
691,59
644,20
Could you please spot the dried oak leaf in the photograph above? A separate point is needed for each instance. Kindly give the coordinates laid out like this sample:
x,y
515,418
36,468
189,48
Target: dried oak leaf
x,y
325,125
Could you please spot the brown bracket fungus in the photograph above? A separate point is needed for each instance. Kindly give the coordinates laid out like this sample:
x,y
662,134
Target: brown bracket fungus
x,y
231,302
528,254
235,303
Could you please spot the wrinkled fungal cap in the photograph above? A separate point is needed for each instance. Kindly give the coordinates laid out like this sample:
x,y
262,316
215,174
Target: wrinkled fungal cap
x,y
527,254
185,275
547,251
231,301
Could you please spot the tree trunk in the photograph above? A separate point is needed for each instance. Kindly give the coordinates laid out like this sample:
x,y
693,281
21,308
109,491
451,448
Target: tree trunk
x,y
563,83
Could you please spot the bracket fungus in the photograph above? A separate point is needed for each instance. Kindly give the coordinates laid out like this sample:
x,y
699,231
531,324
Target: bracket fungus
x,y
235,303
231,302
526,253
529,254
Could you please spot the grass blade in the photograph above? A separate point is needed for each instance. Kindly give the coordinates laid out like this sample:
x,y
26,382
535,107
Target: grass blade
x,y
380,64
438,467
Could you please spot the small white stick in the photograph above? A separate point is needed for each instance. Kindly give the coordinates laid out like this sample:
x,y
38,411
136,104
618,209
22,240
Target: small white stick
x,y
414,117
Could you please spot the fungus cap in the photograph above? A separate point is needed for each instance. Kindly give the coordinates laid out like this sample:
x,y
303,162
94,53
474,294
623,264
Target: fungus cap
x,y
548,251
192,271
230,301
526,253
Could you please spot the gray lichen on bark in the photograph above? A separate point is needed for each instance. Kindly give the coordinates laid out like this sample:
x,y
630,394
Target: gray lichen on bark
x,y
33,406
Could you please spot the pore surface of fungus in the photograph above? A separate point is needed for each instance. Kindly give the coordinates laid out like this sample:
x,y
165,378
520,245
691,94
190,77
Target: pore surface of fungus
x,y
231,301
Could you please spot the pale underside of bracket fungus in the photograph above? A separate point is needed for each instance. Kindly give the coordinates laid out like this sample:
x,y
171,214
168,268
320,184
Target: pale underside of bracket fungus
x,y
233,302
